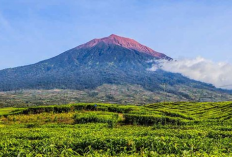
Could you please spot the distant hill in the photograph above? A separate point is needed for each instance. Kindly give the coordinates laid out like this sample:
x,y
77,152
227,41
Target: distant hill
x,y
113,60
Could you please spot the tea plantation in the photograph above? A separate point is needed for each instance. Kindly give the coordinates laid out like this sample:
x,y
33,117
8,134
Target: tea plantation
x,y
88,129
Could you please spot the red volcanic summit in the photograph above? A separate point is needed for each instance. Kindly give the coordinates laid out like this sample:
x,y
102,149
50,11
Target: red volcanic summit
x,y
126,43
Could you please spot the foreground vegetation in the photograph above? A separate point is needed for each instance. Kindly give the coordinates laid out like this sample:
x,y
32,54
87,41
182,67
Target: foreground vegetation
x,y
162,129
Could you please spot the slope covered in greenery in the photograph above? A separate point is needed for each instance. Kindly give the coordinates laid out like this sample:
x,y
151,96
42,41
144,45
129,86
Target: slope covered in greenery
x,y
89,129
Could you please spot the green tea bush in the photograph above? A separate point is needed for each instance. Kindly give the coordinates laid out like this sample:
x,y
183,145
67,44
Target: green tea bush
x,y
162,129
111,119
176,114
152,119
32,125
37,110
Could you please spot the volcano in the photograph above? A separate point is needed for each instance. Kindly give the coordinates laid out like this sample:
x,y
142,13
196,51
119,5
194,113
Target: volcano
x,y
111,60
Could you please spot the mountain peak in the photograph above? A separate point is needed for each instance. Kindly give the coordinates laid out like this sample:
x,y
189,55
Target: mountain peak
x,y
123,42
117,37
113,36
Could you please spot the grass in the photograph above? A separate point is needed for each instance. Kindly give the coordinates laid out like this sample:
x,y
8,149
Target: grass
x,y
161,129
8,110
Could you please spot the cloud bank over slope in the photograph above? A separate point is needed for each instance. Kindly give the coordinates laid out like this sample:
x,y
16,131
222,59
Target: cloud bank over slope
x,y
219,74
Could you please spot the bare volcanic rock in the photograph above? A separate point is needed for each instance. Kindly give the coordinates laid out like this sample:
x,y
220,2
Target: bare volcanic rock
x,y
126,43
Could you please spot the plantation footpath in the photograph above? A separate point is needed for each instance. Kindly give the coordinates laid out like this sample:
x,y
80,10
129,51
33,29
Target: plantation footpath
x,y
89,129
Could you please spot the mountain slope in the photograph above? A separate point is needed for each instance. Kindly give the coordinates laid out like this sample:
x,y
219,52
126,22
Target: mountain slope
x,y
111,60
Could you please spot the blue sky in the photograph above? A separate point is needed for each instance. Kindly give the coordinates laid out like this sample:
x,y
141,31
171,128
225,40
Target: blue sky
x,y
31,31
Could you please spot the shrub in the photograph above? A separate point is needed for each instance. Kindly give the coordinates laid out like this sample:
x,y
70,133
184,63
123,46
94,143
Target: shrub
x,y
151,119
110,119
32,125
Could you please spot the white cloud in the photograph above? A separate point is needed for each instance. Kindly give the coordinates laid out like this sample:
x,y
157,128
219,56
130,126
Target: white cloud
x,y
219,74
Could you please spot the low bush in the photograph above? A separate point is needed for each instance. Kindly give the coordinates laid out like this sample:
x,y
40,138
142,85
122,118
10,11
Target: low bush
x,y
111,119
152,119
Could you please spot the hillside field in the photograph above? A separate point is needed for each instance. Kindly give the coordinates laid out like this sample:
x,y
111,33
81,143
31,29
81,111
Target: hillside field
x,y
97,129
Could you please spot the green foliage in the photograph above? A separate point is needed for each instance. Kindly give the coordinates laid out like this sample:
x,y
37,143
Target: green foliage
x,y
94,117
176,114
32,125
80,107
152,119
162,129
10,111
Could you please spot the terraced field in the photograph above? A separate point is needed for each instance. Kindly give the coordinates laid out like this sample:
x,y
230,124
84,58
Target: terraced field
x,y
162,129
